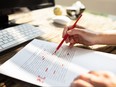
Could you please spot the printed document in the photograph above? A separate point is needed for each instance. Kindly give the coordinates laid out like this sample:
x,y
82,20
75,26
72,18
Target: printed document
x,y
37,64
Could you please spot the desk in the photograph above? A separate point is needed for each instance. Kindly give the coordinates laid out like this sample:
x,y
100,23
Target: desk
x,y
53,32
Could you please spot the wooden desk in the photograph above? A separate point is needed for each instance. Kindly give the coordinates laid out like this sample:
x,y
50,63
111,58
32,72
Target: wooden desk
x,y
53,32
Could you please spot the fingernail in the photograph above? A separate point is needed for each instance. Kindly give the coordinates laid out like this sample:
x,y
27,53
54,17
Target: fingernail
x,y
68,32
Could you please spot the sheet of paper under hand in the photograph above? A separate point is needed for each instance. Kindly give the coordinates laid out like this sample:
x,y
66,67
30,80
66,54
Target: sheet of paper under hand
x,y
36,64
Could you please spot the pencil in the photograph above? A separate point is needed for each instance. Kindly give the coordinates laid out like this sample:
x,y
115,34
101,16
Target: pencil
x,y
65,37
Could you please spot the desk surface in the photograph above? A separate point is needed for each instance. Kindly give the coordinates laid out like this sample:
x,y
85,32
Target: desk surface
x,y
53,32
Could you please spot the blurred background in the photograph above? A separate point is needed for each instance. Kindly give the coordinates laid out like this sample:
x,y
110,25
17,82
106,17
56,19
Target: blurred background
x,y
98,6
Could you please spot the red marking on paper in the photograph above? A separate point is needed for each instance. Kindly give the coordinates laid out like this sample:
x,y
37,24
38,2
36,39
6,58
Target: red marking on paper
x,y
41,79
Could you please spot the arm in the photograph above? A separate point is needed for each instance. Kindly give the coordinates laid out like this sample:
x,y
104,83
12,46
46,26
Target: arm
x,y
108,38
88,37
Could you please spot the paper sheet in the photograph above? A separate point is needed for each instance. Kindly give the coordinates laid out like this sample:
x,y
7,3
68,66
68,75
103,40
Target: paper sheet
x,y
36,64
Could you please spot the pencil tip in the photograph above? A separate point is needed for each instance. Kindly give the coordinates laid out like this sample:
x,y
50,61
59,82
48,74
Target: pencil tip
x,y
54,53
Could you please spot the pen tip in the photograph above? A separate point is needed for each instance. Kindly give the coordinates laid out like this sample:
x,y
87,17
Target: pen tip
x,y
54,53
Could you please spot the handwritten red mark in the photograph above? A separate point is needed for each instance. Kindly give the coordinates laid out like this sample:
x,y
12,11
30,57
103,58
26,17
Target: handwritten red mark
x,y
40,79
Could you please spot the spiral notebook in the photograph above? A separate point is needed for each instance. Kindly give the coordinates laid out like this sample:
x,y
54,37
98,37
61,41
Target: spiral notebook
x,y
36,64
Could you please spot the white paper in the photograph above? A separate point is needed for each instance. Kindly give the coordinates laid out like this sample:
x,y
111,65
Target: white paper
x,y
36,64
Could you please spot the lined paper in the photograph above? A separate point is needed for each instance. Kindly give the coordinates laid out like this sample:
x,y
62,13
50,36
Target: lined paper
x,y
36,64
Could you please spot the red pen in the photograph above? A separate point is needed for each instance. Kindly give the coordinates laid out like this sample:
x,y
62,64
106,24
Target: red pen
x,y
65,37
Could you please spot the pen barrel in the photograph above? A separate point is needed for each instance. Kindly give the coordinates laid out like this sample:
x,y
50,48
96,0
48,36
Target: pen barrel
x,y
74,25
65,37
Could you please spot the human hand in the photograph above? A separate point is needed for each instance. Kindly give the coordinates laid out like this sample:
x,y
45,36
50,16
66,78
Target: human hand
x,y
80,35
95,79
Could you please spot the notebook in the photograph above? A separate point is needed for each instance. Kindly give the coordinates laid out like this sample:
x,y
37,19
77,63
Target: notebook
x,y
37,64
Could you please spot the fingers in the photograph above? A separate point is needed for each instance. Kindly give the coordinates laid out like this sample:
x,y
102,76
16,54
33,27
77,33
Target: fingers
x,y
69,39
72,42
81,83
67,28
73,35
95,79
78,26
76,31
86,77
94,73
103,74
91,79
64,31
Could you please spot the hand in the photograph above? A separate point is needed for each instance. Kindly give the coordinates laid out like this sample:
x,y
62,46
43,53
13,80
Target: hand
x,y
80,35
95,79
